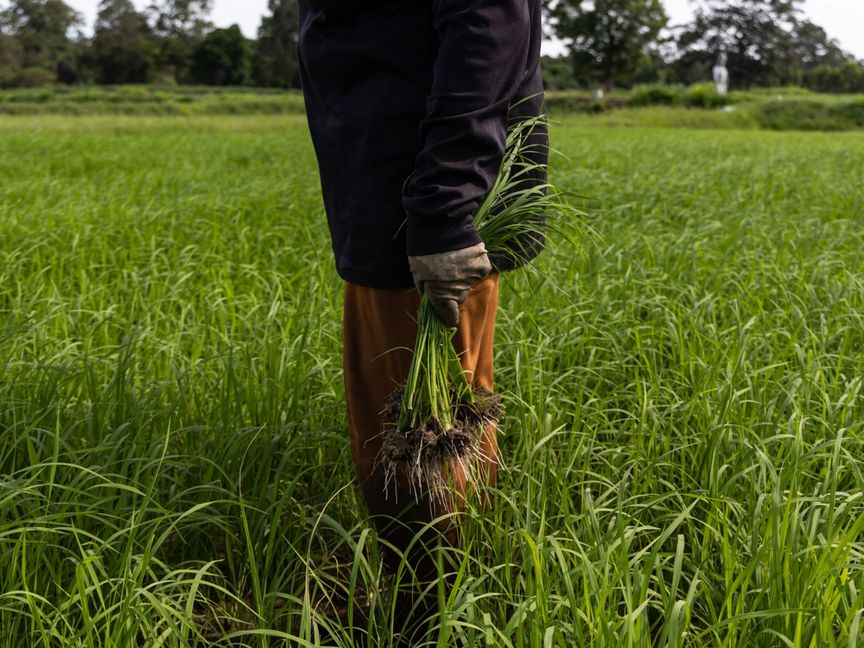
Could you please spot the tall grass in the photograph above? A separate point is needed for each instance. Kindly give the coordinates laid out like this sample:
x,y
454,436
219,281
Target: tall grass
x,y
683,442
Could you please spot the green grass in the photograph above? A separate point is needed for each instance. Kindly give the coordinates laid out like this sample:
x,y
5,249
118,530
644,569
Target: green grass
x,y
149,100
684,405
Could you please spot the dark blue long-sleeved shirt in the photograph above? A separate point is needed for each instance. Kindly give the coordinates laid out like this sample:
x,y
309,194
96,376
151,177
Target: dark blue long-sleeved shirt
x,y
408,103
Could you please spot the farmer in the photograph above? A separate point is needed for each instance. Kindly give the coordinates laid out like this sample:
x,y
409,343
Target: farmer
x,y
408,102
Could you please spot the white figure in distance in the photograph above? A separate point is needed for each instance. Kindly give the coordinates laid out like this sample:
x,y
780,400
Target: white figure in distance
x,y
721,75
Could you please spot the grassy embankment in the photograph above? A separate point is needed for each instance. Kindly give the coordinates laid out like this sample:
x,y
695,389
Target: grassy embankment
x,y
698,106
683,440
149,100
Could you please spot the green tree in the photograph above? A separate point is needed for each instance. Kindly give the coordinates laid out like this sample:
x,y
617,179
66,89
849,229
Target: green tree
x,y
42,31
810,46
275,59
768,42
558,73
180,26
223,58
10,60
123,47
180,17
609,41
847,77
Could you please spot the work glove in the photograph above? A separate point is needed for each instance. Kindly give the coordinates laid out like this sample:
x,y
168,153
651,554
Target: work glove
x,y
446,278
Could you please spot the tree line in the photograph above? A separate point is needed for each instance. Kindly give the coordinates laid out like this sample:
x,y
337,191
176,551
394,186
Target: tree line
x,y
171,41
606,43
767,43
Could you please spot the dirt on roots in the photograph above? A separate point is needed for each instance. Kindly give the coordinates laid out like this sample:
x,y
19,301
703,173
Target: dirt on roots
x,y
423,454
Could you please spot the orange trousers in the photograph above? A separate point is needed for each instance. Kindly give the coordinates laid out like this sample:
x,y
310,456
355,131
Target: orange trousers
x,y
378,337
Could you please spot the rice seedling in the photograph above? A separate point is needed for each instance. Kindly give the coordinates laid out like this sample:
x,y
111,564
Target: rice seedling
x,y
438,416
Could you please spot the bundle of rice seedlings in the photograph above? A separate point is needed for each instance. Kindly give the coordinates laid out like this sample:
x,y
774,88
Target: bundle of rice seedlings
x,y
438,417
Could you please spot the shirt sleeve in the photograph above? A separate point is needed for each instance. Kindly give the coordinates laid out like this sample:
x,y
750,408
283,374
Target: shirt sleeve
x,y
480,62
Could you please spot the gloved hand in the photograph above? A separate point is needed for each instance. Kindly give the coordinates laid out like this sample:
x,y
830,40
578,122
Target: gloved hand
x,y
447,278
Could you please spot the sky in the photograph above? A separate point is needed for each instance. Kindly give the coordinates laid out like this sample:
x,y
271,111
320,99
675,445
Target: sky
x,y
842,19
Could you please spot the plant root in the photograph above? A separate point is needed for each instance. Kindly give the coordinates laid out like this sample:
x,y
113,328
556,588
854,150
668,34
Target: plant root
x,y
423,454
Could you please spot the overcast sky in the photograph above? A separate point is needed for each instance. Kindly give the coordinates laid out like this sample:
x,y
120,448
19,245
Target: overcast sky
x,y
842,19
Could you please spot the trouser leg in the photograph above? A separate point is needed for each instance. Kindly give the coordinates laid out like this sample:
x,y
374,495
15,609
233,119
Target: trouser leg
x,y
378,336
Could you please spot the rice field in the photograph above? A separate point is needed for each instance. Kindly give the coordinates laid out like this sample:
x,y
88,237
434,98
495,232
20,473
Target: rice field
x,y
684,427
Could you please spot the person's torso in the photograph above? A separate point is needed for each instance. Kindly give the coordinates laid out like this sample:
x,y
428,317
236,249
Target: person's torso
x,y
368,59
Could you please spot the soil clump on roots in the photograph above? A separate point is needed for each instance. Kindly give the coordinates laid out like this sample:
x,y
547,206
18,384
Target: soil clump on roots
x,y
422,454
